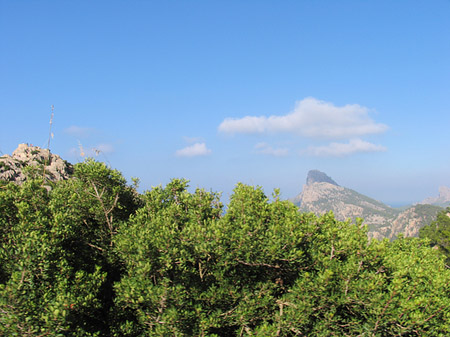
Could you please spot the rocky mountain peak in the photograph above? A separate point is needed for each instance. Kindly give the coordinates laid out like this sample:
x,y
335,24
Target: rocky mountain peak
x,y
383,221
13,168
444,192
443,199
316,176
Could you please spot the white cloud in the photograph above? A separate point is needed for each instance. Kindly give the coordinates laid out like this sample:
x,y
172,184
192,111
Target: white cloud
x,y
264,148
344,149
197,149
310,118
78,131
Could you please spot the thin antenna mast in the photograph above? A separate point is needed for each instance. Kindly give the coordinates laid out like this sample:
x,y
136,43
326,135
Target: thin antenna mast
x,y
50,134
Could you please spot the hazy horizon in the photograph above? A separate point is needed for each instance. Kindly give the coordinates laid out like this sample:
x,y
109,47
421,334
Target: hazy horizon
x,y
258,92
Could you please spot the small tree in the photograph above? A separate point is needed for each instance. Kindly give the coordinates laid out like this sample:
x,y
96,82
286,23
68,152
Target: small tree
x,y
41,292
57,266
438,232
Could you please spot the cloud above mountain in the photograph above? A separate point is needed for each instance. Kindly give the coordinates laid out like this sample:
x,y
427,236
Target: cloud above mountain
x,y
311,118
194,150
343,149
313,121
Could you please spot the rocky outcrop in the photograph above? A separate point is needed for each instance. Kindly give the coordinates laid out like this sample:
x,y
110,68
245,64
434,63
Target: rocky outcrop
x,y
28,160
412,219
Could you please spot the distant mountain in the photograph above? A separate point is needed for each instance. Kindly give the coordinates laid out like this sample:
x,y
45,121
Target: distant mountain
x,y
443,199
322,194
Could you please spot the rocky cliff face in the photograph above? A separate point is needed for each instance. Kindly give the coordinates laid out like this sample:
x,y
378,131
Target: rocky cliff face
x,y
27,160
322,194
411,220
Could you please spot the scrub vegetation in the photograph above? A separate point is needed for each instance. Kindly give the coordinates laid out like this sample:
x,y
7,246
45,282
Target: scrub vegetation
x,y
92,257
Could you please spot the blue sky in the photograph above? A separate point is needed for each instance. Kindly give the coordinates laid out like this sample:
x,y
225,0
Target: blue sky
x,y
225,91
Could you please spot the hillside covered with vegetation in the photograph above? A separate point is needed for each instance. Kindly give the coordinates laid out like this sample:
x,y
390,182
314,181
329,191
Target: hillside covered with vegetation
x,y
90,256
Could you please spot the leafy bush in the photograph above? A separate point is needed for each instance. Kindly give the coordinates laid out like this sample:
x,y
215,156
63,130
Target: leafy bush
x,y
438,232
265,269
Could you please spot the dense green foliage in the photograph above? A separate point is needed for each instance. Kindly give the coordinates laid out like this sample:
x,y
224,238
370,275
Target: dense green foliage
x,y
438,232
91,257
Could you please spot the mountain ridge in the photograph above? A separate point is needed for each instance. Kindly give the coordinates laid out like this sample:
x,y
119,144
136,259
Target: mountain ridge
x,y
322,195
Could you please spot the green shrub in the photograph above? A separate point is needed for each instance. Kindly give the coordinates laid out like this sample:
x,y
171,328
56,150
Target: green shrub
x,y
91,257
